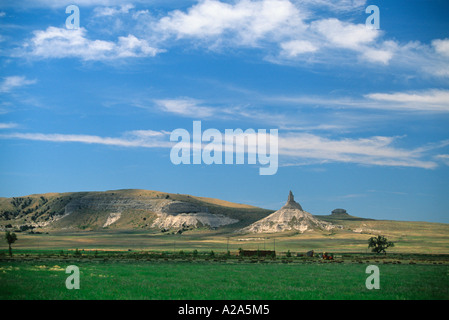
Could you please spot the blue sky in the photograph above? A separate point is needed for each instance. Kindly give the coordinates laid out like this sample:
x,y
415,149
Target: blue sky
x,y
362,114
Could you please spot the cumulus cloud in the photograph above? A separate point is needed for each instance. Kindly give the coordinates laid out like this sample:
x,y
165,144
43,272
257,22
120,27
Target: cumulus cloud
x,y
284,31
358,38
344,34
285,25
296,47
245,22
335,5
63,43
441,46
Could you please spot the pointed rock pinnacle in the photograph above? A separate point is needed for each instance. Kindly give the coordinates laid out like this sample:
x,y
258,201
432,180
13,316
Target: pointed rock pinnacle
x,y
291,203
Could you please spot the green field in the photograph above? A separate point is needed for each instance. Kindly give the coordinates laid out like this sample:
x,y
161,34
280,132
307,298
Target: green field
x,y
408,238
143,275
146,264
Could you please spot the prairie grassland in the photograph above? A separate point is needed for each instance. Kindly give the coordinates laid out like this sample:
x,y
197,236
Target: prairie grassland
x,y
409,237
232,279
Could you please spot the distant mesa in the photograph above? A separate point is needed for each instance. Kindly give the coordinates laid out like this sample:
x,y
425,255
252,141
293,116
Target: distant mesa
x,y
339,212
290,217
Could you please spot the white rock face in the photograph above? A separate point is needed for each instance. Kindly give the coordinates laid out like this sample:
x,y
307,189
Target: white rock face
x,y
170,214
289,217
178,221
113,217
179,214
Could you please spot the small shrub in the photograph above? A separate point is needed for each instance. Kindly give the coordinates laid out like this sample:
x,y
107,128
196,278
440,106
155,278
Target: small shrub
x,y
77,253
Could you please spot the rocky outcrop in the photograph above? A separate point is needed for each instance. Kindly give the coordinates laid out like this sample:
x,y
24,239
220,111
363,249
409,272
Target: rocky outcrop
x,y
177,207
170,214
180,214
108,203
113,217
290,217
291,203
192,220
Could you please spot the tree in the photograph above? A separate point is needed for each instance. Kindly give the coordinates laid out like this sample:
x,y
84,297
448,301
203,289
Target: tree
x,y
10,238
379,244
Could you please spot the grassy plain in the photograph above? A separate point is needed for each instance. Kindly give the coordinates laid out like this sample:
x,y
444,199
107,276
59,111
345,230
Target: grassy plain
x,y
145,264
116,275
409,237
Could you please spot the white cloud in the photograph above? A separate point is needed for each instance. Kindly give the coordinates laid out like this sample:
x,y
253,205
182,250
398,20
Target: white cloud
x,y
296,47
377,55
429,100
294,148
441,46
185,107
344,34
245,22
368,151
112,11
8,125
335,5
63,4
12,82
193,108
138,138
358,38
444,158
281,23
289,30
64,43
285,31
